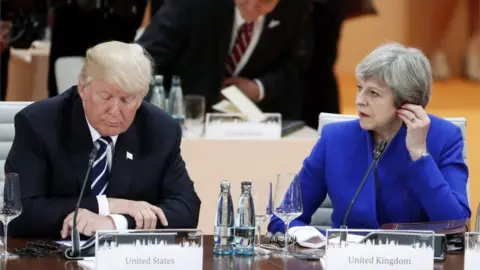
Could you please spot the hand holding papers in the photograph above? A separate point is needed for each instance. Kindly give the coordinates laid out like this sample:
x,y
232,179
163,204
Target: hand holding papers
x,y
240,103
241,119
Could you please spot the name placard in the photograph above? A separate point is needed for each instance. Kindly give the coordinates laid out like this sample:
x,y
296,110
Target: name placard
x,y
145,250
472,251
378,249
239,126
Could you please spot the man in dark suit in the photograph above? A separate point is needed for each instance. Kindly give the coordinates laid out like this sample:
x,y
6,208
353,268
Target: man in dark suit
x,y
257,45
138,179
321,92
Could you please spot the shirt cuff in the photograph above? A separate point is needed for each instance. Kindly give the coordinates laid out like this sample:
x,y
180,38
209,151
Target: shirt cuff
x,y
103,206
261,90
120,222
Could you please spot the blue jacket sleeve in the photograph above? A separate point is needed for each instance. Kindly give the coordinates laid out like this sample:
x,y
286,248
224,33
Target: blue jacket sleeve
x,y
314,190
441,188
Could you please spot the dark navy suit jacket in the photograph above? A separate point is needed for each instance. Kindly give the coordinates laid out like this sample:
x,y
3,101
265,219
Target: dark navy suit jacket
x,y
432,188
191,38
50,153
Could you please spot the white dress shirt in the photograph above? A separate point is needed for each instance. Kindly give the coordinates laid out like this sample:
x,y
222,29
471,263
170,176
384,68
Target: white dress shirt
x,y
257,31
103,206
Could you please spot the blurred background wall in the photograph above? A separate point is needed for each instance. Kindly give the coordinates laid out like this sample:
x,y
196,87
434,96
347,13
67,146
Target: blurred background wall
x,y
404,21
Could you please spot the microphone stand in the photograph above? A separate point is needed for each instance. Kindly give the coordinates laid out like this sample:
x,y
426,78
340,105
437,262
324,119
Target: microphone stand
x,y
377,153
74,251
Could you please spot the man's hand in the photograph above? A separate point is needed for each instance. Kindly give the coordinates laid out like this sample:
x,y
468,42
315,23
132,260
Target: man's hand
x,y
87,223
248,87
145,214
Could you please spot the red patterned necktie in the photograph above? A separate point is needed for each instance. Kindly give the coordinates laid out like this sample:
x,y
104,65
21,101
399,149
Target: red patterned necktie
x,y
244,35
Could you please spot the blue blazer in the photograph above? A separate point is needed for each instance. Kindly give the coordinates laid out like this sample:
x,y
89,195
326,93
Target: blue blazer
x,y
432,188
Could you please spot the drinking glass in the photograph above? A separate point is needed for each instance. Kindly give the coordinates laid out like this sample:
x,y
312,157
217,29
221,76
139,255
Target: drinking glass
x,y
194,115
10,207
263,198
287,201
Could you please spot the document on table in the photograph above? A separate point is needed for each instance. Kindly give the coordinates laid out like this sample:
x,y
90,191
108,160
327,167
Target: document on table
x,y
68,243
351,238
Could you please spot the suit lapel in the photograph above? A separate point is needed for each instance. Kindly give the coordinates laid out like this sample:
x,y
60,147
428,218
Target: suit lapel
x,y
124,158
79,141
265,42
225,20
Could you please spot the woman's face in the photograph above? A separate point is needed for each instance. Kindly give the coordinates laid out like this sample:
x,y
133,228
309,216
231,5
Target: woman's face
x,y
375,105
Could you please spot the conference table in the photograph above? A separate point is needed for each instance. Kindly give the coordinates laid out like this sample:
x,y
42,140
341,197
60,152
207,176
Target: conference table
x,y
57,262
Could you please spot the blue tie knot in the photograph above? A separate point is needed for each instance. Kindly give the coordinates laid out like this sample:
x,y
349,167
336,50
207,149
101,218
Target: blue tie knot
x,y
105,140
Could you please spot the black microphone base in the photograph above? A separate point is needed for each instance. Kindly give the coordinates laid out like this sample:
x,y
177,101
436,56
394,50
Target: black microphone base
x,y
87,250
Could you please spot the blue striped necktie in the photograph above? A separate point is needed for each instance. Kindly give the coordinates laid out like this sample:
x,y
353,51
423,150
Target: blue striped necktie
x,y
100,172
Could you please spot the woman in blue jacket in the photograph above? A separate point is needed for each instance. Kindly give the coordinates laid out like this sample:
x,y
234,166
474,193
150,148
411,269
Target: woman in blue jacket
x,y
420,177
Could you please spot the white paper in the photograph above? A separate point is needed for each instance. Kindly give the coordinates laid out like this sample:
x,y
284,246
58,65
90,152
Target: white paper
x,y
68,243
225,106
472,259
243,104
308,236
87,264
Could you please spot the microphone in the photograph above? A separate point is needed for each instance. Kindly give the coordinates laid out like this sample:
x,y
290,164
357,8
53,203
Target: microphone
x,y
74,251
377,153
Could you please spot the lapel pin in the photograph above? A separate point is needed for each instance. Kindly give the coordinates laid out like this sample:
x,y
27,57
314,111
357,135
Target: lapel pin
x,y
129,155
273,23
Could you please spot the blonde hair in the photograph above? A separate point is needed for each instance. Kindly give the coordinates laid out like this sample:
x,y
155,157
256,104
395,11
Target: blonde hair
x,y
126,65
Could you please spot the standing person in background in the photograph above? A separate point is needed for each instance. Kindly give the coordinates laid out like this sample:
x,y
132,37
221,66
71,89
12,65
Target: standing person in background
x,y
252,44
81,24
155,6
473,49
5,27
21,23
321,91
431,32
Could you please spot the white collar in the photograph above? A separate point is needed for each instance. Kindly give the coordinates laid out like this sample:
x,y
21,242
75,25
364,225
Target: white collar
x,y
96,135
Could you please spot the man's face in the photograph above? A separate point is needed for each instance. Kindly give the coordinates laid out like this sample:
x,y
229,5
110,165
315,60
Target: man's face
x,y
108,108
253,9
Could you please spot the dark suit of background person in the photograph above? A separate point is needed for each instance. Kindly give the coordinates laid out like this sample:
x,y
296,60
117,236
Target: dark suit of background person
x,y
79,27
321,91
50,152
28,21
191,38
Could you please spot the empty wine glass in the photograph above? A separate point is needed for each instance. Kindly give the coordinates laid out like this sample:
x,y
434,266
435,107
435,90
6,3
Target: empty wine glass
x,y
10,208
263,207
287,201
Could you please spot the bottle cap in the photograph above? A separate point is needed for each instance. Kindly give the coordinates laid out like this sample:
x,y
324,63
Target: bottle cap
x,y
246,184
225,183
158,78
